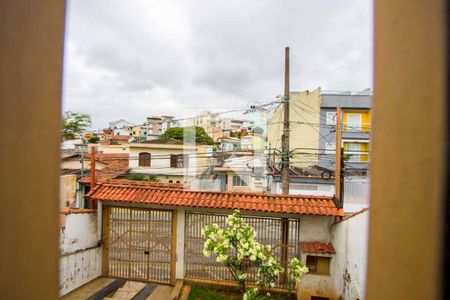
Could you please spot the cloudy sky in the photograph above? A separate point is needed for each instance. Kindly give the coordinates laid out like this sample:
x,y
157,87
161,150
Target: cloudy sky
x,y
132,59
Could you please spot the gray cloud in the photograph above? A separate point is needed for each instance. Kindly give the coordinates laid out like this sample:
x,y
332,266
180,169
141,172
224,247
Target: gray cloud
x,y
130,59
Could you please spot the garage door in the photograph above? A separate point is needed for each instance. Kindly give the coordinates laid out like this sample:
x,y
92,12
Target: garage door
x,y
138,244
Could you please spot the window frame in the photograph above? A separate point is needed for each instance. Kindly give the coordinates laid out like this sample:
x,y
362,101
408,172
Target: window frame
x,y
350,127
179,160
316,263
238,181
149,155
353,157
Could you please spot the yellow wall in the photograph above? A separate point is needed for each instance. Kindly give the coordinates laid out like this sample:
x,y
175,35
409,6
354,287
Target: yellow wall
x,y
305,107
365,119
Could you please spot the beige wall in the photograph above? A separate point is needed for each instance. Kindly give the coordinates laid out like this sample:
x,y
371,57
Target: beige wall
x,y
31,56
304,107
407,195
115,149
68,191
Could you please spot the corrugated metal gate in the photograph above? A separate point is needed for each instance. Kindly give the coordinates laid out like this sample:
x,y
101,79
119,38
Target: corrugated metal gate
x,y
281,234
139,244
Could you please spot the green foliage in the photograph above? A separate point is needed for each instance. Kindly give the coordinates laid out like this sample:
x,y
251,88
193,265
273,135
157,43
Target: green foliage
x,y
203,293
143,177
177,133
73,124
236,247
93,139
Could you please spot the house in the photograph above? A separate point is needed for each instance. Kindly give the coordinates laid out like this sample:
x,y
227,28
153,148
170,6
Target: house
x,y
253,141
139,133
313,126
313,235
355,118
231,124
239,173
169,160
229,143
159,125
211,122
114,139
318,181
120,127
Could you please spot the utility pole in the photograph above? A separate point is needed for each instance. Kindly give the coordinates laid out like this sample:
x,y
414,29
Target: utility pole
x,y
285,136
285,164
339,157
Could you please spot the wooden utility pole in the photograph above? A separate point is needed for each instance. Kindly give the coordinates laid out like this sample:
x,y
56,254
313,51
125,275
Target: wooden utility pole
x,y
339,151
91,202
285,136
285,164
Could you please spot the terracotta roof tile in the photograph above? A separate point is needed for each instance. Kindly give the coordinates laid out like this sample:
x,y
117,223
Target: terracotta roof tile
x,y
316,247
163,194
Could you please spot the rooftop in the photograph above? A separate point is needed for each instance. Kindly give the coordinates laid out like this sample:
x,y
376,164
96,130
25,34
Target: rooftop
x,y
316,247
147,194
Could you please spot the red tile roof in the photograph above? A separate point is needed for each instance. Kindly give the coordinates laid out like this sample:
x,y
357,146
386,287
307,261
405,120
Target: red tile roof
x,y
132,193
316,247
108,172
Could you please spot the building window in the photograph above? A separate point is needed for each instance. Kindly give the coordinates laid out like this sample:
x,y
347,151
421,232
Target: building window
x,y
179,161
240,180
331,118
353,152
354,122
319,265
145,159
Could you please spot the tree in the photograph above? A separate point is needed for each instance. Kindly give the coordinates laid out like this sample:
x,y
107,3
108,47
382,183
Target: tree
x,y
73,124
93,140
177,133
237,248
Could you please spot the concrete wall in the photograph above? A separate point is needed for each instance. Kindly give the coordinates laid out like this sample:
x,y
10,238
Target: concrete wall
x,y
68,191
349,238
356,194
315,228
80,260
301,189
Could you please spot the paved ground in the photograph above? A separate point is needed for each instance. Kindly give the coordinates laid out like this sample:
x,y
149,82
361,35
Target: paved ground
x,y
88,289
162,292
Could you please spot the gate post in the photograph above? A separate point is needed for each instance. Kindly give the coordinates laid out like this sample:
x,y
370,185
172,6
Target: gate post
x,y
180,243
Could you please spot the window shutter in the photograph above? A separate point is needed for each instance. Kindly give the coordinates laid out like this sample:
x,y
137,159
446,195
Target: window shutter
x,y
145,159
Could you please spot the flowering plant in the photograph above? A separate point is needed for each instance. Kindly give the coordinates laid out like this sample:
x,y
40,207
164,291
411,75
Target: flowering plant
x,y
237,248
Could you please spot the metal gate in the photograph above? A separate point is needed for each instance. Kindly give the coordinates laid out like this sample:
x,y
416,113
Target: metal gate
x,y
281,234
138,244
